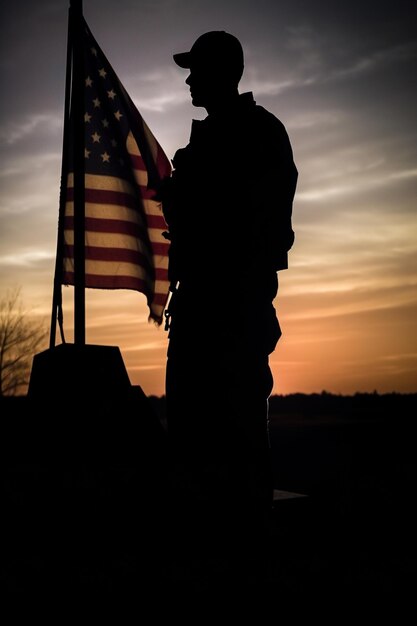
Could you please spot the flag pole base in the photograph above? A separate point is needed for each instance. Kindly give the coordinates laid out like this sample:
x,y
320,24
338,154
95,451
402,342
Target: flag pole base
x,y
81,395
70,373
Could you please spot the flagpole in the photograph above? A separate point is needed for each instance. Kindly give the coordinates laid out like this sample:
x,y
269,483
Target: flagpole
x,y
78,86
57,294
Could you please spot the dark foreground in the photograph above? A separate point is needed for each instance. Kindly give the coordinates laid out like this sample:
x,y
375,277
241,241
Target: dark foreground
x,y
88,507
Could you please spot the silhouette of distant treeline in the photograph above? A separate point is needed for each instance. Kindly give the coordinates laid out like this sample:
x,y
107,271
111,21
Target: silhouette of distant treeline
x,y
325,403
328,403
357,406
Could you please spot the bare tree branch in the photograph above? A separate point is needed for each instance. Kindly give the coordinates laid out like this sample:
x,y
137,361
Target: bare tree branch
x,y
20,338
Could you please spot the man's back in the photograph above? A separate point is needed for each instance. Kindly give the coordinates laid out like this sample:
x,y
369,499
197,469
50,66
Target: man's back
x,y
234,183
233,187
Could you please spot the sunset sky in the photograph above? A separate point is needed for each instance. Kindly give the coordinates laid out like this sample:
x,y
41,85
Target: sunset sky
x,y
341,76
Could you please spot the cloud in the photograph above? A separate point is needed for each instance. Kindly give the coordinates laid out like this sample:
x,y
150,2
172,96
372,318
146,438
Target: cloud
x,y
318,60
160,103
304,120
30,184
376,60
307,48
357,184
26,258
29,165
404,174
266,87
144,368
13,132
158,90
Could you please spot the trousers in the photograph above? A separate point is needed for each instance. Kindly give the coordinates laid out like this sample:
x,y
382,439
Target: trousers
x,y
217,419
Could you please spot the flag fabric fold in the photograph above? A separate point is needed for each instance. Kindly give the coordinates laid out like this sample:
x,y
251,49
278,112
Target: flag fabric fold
x,y
123,165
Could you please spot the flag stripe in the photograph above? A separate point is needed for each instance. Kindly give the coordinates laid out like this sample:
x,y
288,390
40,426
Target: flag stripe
x,y
97,281
115,226
106,196
118,254
119,272
106,212
95,253
108,240
113,184
99,181
116,211
127,235
113,268
109,212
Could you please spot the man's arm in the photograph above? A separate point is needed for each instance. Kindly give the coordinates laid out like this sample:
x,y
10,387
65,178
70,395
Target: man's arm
x,y
276,181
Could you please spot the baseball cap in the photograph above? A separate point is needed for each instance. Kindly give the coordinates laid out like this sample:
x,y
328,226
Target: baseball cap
x,y
215,48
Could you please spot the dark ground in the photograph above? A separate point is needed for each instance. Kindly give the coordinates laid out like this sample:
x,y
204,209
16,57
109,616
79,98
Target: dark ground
x,y
87,508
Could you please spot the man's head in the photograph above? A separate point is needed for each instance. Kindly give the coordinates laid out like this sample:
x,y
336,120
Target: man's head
x,y
216,66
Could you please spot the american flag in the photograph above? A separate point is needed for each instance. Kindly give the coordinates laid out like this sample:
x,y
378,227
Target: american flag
x,y
124,244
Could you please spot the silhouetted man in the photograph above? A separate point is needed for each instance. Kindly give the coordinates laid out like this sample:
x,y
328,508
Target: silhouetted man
x,y
228,206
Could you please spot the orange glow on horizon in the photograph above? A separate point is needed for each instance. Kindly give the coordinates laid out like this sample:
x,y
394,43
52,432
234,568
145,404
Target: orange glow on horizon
x,y
341,349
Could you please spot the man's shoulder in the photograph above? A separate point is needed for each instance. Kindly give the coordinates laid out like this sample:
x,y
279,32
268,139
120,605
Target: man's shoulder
x,y
255,113
268,120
